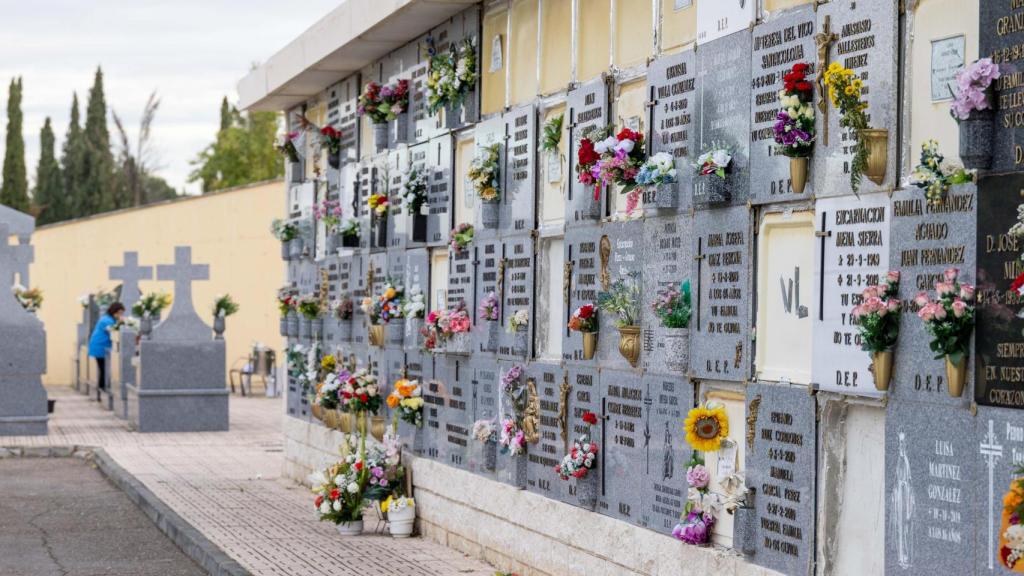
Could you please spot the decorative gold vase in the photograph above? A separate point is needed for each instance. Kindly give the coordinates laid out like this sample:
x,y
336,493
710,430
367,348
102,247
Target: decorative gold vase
x,y
629,344
798,174
317,412
377,427
876,142
956,376
589,344
881,367
344,421
330,418
377,335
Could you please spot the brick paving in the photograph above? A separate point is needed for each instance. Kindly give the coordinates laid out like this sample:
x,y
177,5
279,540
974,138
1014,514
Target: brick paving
x,y
229,486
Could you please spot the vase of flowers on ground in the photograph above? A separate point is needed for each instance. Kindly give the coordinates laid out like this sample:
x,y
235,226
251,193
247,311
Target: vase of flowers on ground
x,y
378,204
697,521
330,139
712,184
973,109
485,432
673,306
621,156
329,212
460,238
414,308
485,176
223,306
794,125
519,325
584,321
623,298
870,148
366,474
490,313
878,322
286,232
657,177
309,308
587,158
451,80
414,198
350,233
935,175
343,312
580,463
401,513
949,319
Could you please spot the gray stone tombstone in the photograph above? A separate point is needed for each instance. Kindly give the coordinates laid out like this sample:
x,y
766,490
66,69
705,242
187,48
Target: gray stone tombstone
x,y
779,43
342,108
865,41
22,358
21,225
516,293
179,385
424,124
440,163
486,389
998,445
667,257
489,261
417,279
671,91
853,250
129,274
583,266
399,220
721,270
435,397
366,184
999,41
625,242
357,281
587,109
518,202
666,400
461,266
620,434
553,391
931,465
723,119
780,467
923,242
455,388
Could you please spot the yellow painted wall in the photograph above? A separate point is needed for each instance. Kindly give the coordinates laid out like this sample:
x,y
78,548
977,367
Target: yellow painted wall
x,y
678,27
556,44
228,230
523,51
552,203
634,34
493,83
592,53
928,120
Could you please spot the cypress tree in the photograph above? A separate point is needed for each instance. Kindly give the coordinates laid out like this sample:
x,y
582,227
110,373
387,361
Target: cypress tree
x,y
14,192
49,192
225,114
99,189
73,162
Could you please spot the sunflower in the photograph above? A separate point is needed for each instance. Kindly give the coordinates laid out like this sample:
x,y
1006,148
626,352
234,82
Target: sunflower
x,y
706,426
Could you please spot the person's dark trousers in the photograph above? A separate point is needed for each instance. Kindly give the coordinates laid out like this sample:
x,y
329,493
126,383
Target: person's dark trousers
x,y
101,380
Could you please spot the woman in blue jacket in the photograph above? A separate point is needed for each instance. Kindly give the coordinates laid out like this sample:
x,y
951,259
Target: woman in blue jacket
x,y
99,342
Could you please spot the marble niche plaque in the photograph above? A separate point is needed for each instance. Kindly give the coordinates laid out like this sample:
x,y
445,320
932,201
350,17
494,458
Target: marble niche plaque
x,y
461,271
723,118
435,399
1000,36
671,91
998,339
666,401
720,327
486,389
552,384
516,292
342,106
360,290
668,241
517,199
399,220
924,242
488,265
584,395
486,133
456,416
580,284
587,109
863,38
424,124
778,44
622,440
620,253
366,184
853,248
930,468
417,280
439,161
780,467
999,448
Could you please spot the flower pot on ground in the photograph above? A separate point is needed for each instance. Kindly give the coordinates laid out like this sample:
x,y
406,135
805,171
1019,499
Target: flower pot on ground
x,y
376,334
881,368
798,174
395,332
218,327
876,143
401,517
973,109
956,376
380,136
293,324
354,528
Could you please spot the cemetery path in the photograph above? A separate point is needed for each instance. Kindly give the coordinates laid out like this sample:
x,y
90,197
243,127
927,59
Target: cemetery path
x,y
230,487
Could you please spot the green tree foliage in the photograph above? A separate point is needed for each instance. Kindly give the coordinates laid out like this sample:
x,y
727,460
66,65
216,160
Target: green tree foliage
x,y
99,190
242,153
73,165
49,192
14,192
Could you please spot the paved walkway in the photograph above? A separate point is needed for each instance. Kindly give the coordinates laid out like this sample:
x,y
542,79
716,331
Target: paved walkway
x,y
229,486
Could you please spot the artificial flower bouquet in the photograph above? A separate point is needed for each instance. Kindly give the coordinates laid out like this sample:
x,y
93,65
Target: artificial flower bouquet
x,y
284,231
460,238
587,156
328,212
657,173
309,307
844,90
286,146
330,138
794,125
697,521
706,427
673,306
443,326
484,173
712,169
343,308
350,232
1011,541
582,457
328,396
520,319
935,174
31,299
878,322
286,302
414,191
490,308
406,399
378,205
584,321
414,306
624,299
389,303
485,431
383,103
154,303
975,85
512,440
949,319
359,392
224,306
451,75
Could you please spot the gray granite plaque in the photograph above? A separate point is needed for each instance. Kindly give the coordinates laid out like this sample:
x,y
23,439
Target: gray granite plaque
x,y
399,220
587,108
666,401
999,448
780,466
455,388
585,395
581,283
461,271
518,198
517,292
435,397
417,280
779,43
367,183
621,441
439,189
930,469
668,243
425,126
550,381
360,264
671,88
865,41
723,118
720,328
486,389
489,263
417,160
999,38
924,242
486,133
625,241
342,104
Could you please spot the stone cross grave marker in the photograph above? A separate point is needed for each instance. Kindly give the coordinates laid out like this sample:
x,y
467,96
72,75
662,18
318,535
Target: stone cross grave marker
x,y
182,322
129,274
21,225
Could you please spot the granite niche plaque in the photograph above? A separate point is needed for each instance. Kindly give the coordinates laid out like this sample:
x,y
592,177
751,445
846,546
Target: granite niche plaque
x,y
587,109
516,293
666,400
999,38
668,242
580,283
489,265
456,413
439,164
671,91
552,385
517,203
622,439
486,389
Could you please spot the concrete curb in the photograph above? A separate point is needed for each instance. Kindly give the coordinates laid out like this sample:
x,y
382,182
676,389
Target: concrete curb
x,y
192,542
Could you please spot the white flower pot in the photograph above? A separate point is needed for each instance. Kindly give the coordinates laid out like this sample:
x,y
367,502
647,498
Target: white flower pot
x,y
350,528
400,523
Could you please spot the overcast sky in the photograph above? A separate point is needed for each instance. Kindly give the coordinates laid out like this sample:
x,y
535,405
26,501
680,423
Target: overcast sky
x,y
192,52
